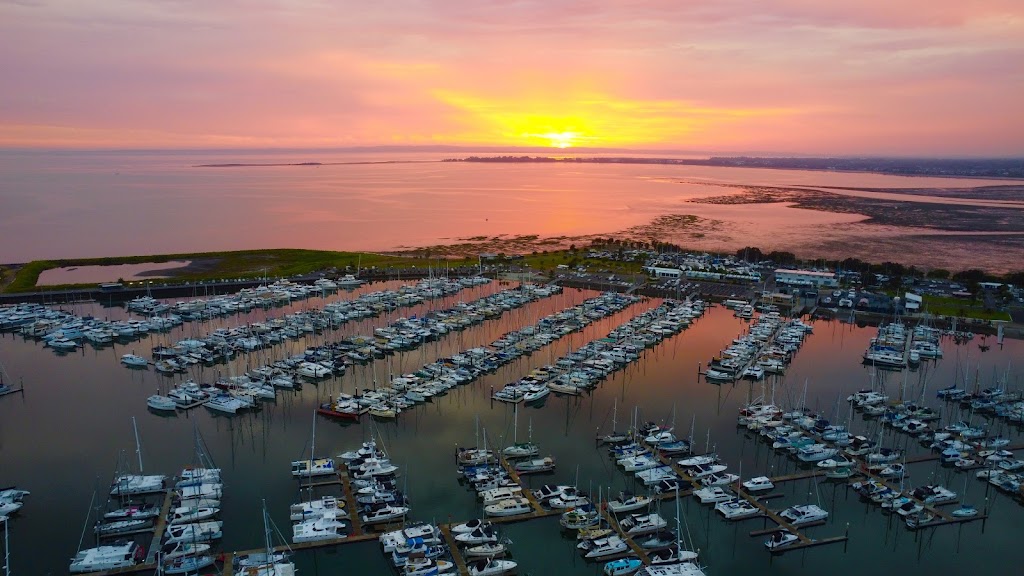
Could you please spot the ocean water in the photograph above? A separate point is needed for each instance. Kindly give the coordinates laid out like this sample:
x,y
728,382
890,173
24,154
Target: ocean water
x,y
63,439
94,204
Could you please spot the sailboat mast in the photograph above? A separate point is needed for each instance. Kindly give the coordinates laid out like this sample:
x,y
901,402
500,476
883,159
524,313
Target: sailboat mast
x,y
138,446
7,547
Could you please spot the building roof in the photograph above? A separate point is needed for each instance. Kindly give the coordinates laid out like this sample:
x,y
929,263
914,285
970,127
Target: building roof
x,y
805,272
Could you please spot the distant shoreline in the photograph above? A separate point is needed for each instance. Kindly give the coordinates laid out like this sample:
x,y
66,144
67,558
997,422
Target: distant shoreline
x,y
981,169
282,164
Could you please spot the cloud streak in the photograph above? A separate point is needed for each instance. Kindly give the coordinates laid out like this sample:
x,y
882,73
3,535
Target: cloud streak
x,y
800,76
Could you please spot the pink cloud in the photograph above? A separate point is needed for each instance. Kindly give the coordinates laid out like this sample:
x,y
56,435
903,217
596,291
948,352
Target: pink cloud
x,y
935,77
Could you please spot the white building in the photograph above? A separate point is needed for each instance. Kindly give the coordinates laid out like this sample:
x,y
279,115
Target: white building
x,y
806,278
659,272
912,302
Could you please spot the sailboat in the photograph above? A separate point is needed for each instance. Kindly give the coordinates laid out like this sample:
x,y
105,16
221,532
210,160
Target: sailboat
x,y
128,484
615,437
523,449
267,563
109,557
314,466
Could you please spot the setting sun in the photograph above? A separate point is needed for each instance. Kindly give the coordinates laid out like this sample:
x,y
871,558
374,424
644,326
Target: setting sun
x,y
561,139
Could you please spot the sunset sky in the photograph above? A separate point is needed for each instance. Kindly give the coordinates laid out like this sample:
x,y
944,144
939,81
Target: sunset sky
x,y
936,77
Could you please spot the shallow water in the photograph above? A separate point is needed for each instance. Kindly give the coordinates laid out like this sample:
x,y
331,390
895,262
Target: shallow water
x,y
88,274
68,205
62,440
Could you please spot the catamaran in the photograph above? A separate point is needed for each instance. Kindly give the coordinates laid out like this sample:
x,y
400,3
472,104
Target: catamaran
x,y
109,557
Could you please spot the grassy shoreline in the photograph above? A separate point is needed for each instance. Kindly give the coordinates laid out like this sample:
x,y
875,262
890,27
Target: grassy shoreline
x,y
218,265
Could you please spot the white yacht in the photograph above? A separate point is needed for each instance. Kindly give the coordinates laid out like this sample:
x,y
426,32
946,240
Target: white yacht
x,y
642,524
479,535
758,484
491,567
198,532
509,507
133,361
186,514
109,557
319,529
225,403
628,503
386,513
603,547
736,509
315,467
805,514
712,495
137,484
316,508
780,539
162,403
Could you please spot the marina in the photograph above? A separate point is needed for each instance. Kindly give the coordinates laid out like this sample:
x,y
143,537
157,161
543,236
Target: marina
x,y
562,424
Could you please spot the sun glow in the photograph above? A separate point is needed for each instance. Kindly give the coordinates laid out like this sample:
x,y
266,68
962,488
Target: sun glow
x,y
561,139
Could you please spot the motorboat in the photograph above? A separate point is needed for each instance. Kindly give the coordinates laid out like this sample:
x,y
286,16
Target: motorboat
x,y
736,509
491,567
642,524
816,453
780,539
386,513
467,527
488,550
318,530
422,532
109,557
509,507
495,495
479,535
712,495
315,508
226,403
549,491
424,566
603,547
804,514
719,480
580,518
534,466
833,463
133,361
758,484
622,567
567,501
314,467
965,511
628,503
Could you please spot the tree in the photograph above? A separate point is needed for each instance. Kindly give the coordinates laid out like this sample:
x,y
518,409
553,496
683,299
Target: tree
x,y
939,274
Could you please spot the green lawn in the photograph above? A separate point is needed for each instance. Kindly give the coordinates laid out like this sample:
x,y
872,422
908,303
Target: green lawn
x,y
219,265
961,308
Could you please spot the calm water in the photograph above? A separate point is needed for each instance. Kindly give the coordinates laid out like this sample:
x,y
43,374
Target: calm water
x,y
85,274
65,205
63,438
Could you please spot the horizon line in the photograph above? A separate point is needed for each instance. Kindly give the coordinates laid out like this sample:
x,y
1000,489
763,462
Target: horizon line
x,y
491,149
